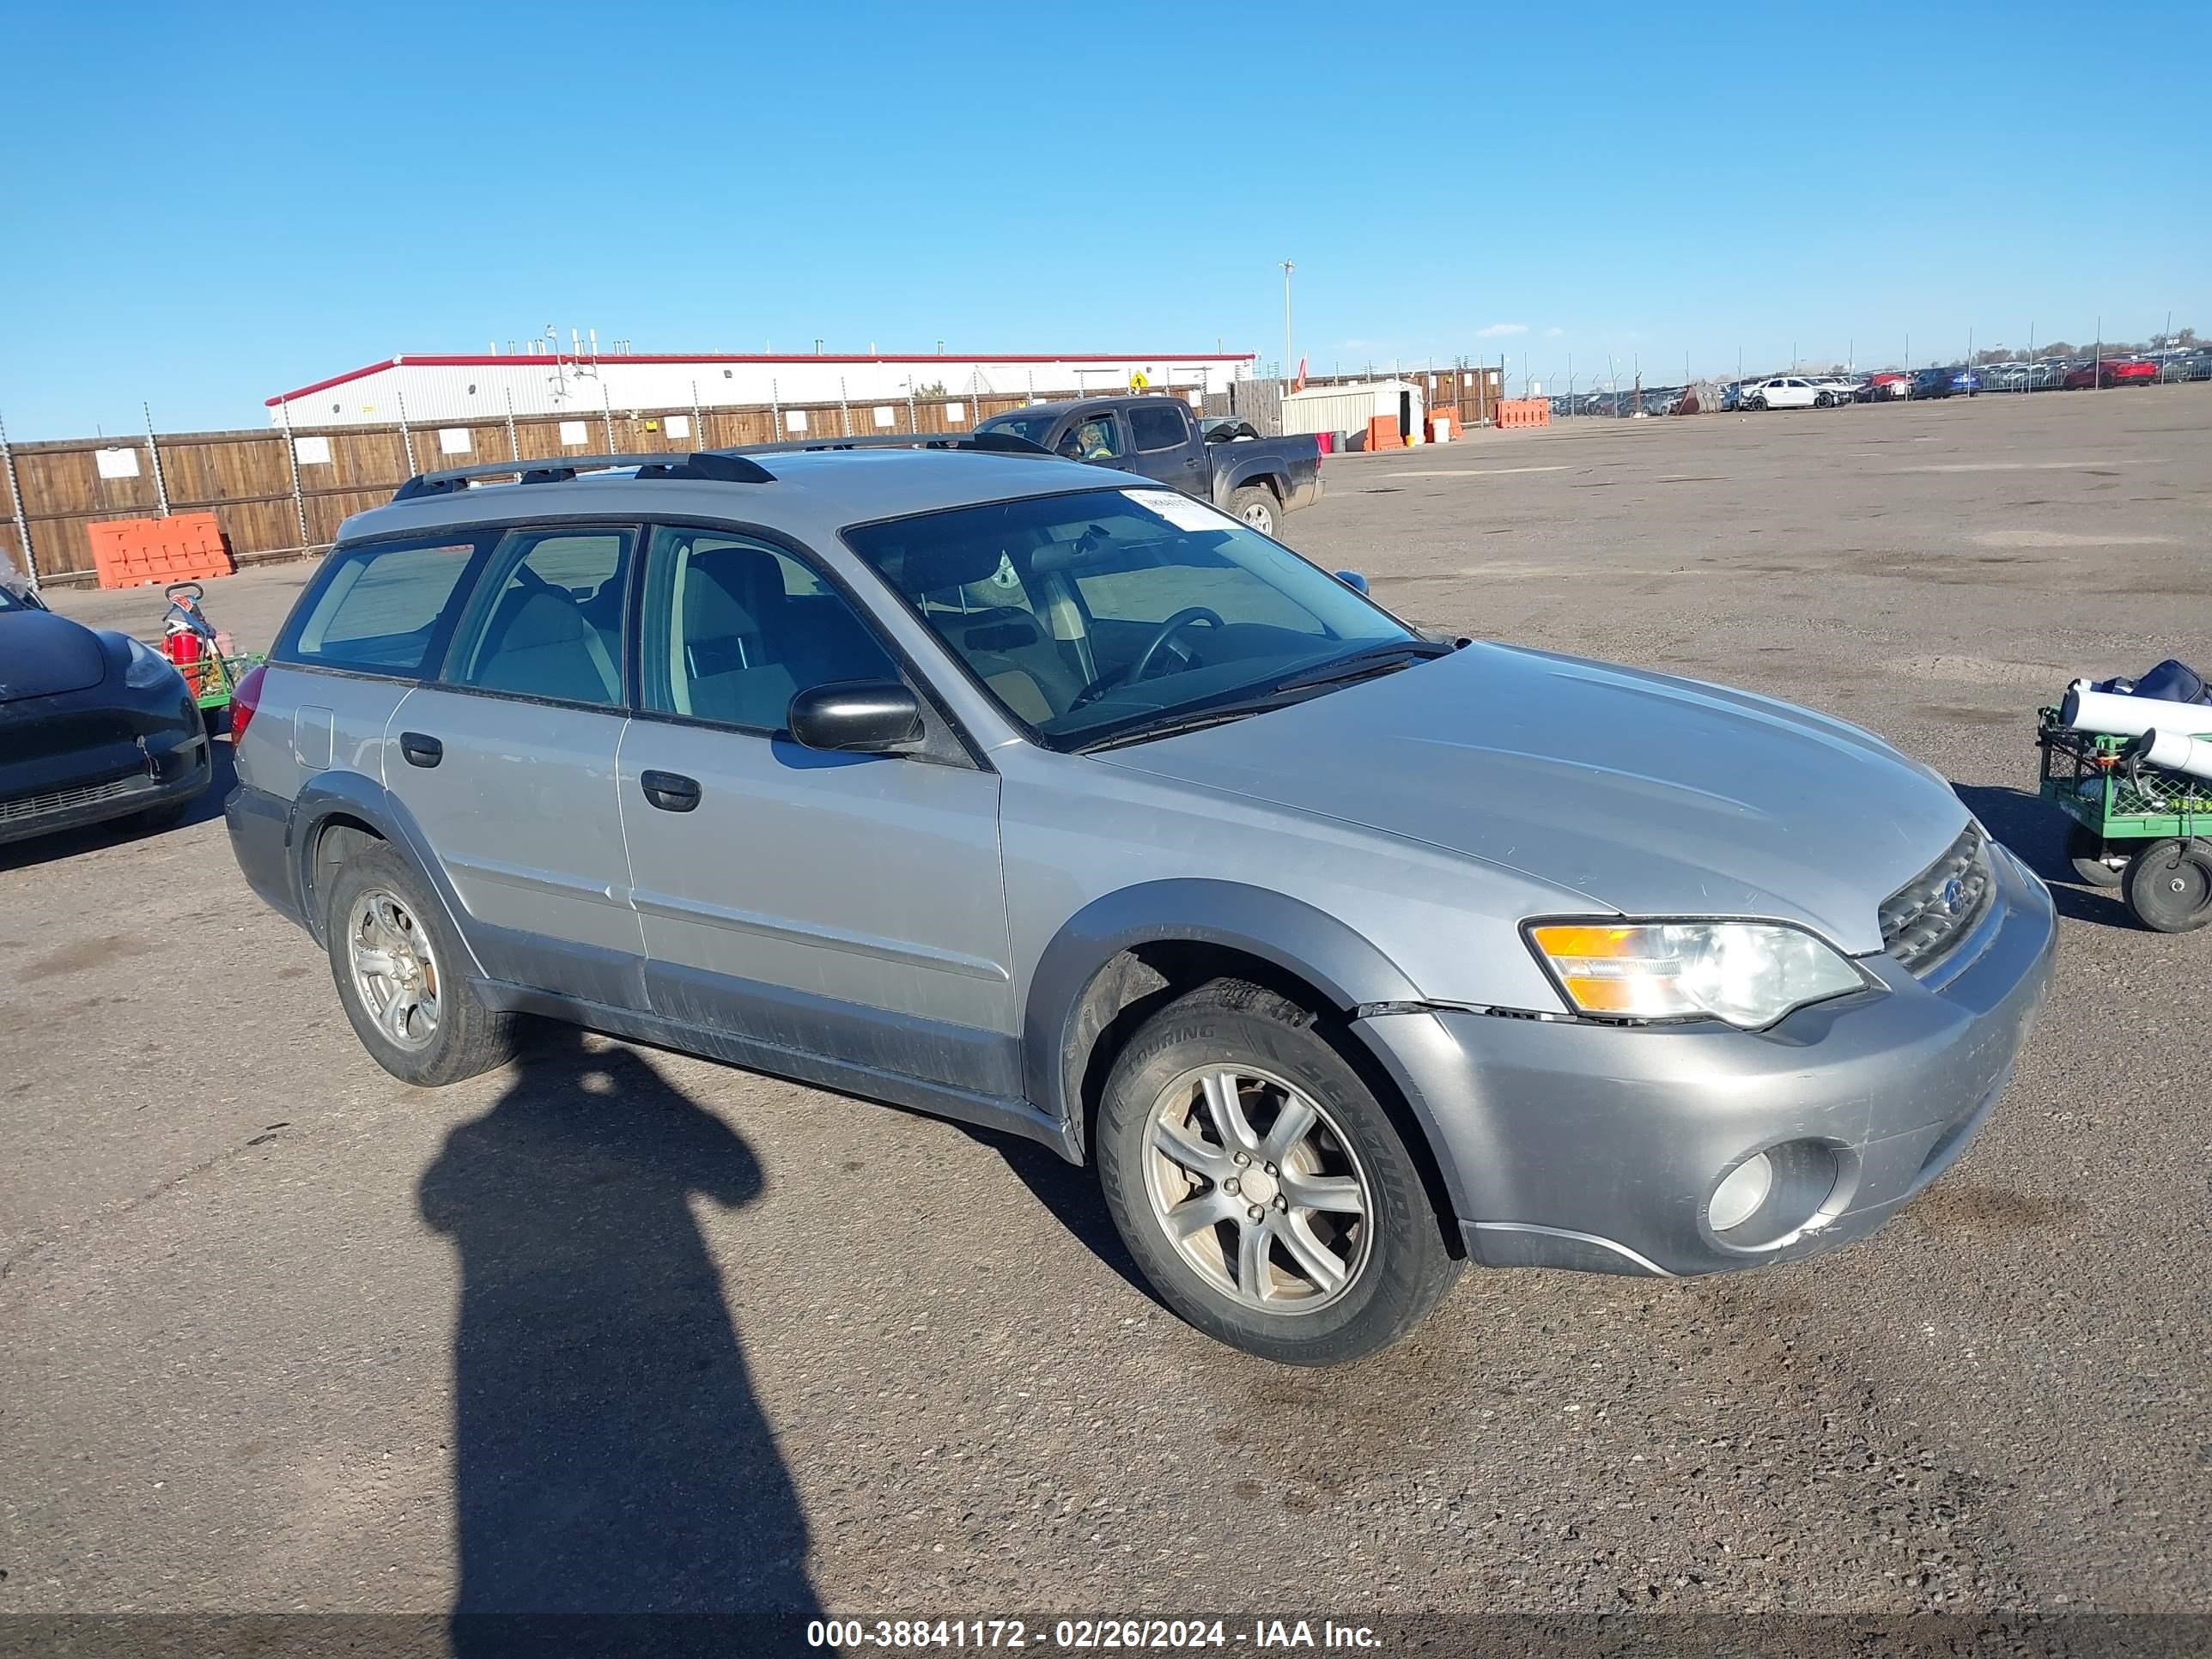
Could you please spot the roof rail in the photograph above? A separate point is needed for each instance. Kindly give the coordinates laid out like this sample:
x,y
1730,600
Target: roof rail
x,y
997,443
703,466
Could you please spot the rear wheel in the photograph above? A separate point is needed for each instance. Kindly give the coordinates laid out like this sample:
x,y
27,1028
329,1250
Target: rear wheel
x,y
1262,1186
2168,885
2092,860
399,971
1256,505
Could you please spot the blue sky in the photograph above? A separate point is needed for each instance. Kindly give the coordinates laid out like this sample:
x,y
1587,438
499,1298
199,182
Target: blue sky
x,y
205,205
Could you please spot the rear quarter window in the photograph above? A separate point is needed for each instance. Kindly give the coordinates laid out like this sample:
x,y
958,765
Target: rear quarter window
x,y
380,607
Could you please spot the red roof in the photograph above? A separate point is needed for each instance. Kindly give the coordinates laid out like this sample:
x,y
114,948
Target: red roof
x,y
798,357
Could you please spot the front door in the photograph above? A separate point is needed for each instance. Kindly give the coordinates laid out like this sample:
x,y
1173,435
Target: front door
x,y
842,906
509,765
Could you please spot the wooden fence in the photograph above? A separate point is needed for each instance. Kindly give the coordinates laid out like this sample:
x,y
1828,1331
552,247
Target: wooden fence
x,y
271,508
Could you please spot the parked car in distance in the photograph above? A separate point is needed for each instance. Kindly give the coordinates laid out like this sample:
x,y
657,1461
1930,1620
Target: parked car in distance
x,y
2112,371
1883,385
1075,808
1259,480
1930,383
1783,392
1840,388
94,725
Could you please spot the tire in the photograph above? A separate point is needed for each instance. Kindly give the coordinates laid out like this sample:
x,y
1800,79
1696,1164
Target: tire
x,y
2168,885
1373,1217
455,1036
1756,403
1823,401
2085,850
1256,505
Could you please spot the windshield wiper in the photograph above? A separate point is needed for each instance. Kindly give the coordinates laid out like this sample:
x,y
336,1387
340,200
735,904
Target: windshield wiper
x,y
1361,665
1168,726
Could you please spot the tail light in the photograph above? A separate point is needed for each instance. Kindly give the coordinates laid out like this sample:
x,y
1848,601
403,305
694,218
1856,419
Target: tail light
x,y
245,698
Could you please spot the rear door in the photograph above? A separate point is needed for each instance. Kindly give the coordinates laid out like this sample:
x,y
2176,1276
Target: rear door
x,y
1165,446
507,763
841,905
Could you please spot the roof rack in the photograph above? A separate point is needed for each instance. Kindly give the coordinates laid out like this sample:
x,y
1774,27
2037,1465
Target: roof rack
x,y
997,443
704,466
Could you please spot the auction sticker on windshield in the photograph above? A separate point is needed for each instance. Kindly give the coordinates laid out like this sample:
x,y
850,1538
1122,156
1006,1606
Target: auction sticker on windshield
x,y
1180,511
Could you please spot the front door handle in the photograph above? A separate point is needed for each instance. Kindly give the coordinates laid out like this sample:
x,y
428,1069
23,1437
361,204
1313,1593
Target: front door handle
x,y
421,750
1192,463
672,792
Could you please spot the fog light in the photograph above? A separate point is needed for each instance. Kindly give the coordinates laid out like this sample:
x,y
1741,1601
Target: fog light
x,y
1738,1197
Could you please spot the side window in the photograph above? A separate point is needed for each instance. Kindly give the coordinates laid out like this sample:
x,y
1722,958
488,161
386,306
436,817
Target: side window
x,y
1095,438
734,629
547,618
378,606
1158,425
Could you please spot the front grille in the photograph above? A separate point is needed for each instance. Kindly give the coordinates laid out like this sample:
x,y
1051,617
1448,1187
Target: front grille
x,y
25,807
1924,919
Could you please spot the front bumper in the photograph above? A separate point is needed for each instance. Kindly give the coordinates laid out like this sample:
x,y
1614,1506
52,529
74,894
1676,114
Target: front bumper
x,y
68,791
1572,1144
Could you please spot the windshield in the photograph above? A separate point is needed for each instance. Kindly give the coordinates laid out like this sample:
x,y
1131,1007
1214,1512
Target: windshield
x,y
1092,615
1036,427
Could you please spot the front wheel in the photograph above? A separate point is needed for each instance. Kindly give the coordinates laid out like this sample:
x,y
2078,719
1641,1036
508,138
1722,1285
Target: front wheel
x,y
1823,401
1256,505
400,975
2093,860
1756,403
1264,1189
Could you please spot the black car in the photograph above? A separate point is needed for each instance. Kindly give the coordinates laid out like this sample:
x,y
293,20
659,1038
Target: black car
x,y
93,724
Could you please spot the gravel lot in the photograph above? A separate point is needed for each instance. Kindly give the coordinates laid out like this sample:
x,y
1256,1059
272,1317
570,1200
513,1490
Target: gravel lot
x,y
713,1339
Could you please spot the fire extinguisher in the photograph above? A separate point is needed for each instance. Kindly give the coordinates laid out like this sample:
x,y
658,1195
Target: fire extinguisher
x,y
185,635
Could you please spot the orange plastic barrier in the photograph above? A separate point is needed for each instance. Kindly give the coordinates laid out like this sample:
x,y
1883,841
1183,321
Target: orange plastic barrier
x,y
1383,433
1525,411
184,547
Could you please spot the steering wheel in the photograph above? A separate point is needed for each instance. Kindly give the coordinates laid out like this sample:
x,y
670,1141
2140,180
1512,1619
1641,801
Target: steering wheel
x,y
1143,664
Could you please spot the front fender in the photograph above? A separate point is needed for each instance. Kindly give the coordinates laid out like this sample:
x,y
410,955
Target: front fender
x,y
340,794
1343,966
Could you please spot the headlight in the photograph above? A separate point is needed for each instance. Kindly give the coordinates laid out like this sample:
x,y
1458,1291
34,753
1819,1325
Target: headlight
x,y
148,667
1747,973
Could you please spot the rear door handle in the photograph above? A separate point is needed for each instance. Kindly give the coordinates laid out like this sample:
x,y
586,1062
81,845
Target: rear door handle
x,y
672,792
421,750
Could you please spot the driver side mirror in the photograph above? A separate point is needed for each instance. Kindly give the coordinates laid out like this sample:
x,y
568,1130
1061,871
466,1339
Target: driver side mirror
x,y
855,716
1353,580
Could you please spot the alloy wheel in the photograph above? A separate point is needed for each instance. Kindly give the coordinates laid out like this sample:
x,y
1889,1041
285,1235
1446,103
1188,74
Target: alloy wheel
x,y
395,970
1258,1189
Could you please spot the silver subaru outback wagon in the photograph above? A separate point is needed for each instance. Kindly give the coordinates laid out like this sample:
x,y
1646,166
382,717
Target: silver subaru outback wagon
x,y
983,784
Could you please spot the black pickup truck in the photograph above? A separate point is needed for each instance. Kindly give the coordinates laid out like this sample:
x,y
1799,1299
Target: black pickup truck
x,y
1257,479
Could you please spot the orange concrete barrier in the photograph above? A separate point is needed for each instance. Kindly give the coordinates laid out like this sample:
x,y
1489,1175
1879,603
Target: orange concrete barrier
x,y
184,547
1383,433
1525,411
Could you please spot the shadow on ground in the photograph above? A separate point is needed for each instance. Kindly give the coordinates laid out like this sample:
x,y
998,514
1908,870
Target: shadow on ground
x,y
2036,831
610,1455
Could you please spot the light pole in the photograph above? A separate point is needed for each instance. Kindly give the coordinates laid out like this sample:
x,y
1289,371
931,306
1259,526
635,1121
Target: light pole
x,y
1287,359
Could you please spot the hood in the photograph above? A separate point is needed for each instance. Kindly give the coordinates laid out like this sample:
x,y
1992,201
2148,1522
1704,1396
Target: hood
x,y
43,655
1656,796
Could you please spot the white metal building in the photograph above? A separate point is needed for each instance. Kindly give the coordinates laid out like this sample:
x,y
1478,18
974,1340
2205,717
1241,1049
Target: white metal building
x,y
426,389
1347,409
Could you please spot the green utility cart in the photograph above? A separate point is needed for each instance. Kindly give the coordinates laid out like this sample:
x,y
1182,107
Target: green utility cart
x,y
2134,827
